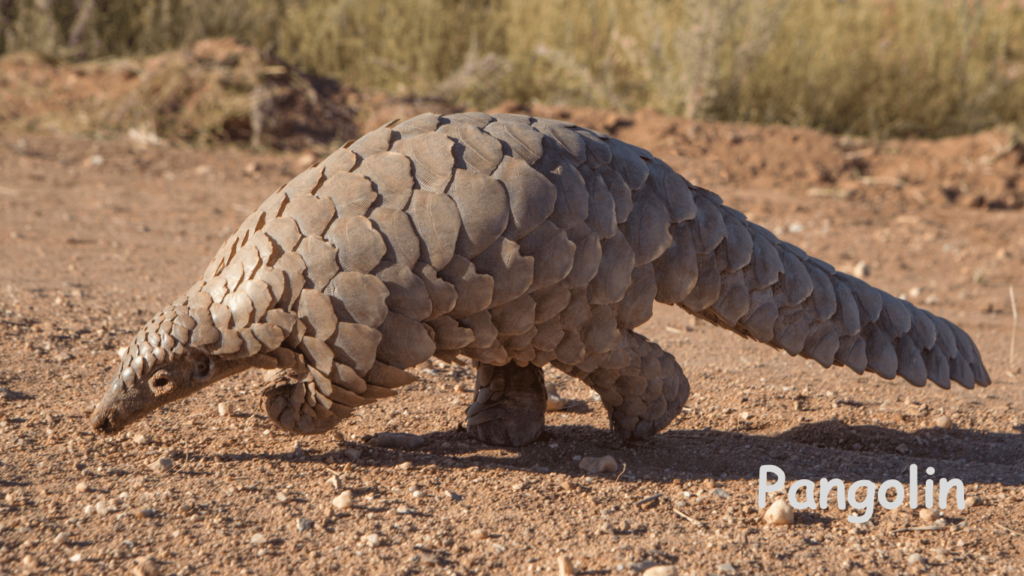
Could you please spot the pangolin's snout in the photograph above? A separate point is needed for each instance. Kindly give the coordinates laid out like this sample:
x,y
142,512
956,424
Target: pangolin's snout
x,y
101,422
104,417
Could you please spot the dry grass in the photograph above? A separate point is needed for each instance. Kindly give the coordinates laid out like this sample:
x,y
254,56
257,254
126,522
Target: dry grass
x,y
875,67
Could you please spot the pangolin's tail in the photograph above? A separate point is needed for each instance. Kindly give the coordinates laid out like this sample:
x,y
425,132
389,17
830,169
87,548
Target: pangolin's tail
x,y
738,275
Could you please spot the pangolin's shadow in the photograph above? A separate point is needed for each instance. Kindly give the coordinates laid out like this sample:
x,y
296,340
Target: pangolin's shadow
x,y
829,449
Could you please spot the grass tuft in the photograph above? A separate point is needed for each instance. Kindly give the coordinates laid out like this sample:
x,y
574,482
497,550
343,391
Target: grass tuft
x,y
872,67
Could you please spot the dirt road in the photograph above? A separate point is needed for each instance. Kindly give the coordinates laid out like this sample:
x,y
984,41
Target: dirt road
x,y
97,235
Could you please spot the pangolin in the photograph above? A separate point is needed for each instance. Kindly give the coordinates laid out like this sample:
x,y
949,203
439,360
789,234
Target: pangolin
x,y
516,242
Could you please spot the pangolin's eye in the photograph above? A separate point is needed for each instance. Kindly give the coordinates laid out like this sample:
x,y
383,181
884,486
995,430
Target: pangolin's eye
x,y
202,368
160,382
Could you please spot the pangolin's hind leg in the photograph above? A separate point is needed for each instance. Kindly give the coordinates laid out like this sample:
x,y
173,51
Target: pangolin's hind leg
x,y
509,404
642,387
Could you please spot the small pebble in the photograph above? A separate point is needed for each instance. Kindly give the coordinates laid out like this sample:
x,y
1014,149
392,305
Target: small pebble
x,y
861,269
403,509
661,571
82,487
224,409
76,557
342,501
141,439
929,515
103,507
146,566
565,567
371,540
598,465
944,422
915,559
971,502
30,562
720,493
397,440
162,466
258,539
281,497
479,534
303,524
417,494
555,401
780,513
89,509
334,481
61,539
726,568
404,466
145,513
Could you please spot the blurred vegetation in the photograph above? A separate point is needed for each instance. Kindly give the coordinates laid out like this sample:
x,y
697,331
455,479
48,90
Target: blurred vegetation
x,y
874,67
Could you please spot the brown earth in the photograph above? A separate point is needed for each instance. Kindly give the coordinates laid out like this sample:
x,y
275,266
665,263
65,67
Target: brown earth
x,y
100,233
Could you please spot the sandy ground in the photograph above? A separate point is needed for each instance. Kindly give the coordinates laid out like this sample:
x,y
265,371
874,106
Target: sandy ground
x,y
99,234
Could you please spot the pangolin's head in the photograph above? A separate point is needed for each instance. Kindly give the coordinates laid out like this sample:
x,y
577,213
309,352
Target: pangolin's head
x,y
161,365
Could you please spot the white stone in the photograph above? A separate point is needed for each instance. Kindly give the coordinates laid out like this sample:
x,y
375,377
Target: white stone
x,y
224,409
162,466
780,513
861,269
343,501
661,571
565,567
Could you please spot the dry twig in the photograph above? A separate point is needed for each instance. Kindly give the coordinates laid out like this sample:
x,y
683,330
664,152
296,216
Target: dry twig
x,y
1013,333
919,529
692,520
1011,531
648,499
